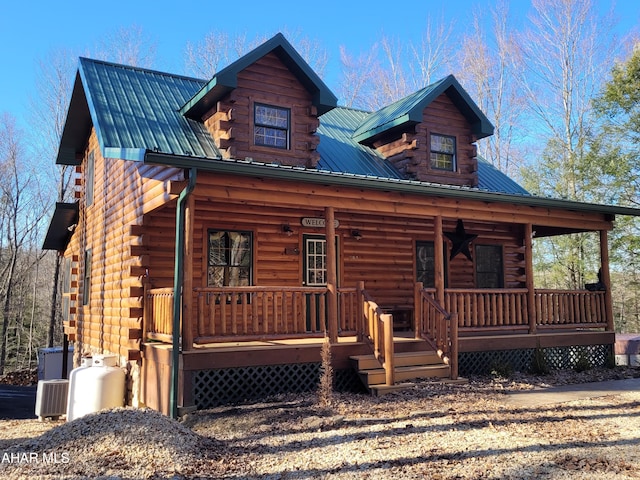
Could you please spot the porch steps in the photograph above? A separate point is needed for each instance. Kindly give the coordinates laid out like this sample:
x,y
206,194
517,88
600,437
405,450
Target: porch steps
x,y
408,366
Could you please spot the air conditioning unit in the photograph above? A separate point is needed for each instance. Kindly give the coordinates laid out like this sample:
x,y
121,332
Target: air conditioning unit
x,y
51,398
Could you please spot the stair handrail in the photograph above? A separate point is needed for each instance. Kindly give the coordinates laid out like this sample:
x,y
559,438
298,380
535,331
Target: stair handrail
x,y
378,332
437,326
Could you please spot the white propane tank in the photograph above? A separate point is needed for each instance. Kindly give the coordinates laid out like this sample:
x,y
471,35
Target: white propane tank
x,y
96,387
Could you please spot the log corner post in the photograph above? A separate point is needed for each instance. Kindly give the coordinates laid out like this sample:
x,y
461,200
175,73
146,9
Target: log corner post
x,y
529,283
605,278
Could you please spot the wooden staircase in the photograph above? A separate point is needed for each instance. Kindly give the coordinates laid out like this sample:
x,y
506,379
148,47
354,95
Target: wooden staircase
x,y
412,360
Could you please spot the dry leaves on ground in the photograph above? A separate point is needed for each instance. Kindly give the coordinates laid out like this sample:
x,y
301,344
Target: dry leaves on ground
x,y
431,431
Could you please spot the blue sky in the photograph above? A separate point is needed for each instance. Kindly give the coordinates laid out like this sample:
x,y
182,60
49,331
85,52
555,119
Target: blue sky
x,y
29,30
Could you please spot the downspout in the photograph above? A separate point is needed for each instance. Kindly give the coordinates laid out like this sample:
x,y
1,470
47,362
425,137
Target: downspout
x,y
177,290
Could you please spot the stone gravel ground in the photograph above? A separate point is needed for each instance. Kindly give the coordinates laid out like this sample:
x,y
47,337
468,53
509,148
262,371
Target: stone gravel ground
x,y
432,431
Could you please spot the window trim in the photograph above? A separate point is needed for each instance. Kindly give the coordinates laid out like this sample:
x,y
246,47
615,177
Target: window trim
x,y
305,266
257,124
454,155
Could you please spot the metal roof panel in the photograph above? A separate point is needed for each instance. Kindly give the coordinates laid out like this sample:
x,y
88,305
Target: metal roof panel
x,y
137,109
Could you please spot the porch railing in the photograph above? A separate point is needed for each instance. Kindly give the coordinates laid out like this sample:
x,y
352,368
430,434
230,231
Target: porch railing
x,y
158,314
263,312
378,332
438,326
570,309
488,308
482,310
251,313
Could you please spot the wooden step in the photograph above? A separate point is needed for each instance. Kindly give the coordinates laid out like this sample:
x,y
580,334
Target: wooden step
x,y
377,376
379,390
404,359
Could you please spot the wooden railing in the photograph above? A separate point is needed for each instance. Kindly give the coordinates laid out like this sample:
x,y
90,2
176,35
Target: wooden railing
x,y
250,313
487,308
378,332
158,314
570,309
507,309
437,326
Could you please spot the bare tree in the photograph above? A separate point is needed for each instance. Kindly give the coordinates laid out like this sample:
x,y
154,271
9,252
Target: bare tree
x,y
218,49
127,45
21,210
392,69
487,72
566,53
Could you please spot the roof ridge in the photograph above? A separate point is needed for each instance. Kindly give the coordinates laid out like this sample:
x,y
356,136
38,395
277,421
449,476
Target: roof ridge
x,y
140,69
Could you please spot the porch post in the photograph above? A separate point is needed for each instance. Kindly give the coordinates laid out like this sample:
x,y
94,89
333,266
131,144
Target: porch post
x,y
332,277
528,265
606,278
439,260
187,284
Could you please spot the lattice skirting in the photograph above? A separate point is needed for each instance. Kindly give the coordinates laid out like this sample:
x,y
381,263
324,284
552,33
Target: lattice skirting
x,y
555,358
216,387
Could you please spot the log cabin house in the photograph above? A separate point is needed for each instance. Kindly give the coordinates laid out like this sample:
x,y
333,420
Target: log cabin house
x,y
222,229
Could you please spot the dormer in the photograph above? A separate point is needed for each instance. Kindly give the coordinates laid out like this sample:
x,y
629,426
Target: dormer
x,y
265,106
430,135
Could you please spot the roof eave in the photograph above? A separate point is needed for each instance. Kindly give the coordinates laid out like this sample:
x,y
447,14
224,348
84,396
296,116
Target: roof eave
x,y
248,168
65,216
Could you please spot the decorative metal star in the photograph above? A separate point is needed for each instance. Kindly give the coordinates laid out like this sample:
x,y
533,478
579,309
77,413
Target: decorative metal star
x,y
460,241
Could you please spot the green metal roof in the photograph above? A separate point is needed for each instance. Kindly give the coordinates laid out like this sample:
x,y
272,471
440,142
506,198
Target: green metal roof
x,y
493,180
136,114
227,79
340,153
408,111
133,110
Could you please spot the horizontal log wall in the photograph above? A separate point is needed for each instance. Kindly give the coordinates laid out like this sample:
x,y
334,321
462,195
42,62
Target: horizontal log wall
x,y
124,191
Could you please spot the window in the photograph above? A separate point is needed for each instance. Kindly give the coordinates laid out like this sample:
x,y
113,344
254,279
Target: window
x,y
229,263
443,152
271,126
315,261
426,264
86,287
489,266
89,180
66,289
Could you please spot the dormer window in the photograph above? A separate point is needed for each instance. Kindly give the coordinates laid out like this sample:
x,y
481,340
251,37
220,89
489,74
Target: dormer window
x,y
271,126
443,152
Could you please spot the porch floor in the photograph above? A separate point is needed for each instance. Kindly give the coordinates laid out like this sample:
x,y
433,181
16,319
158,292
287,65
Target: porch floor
x,y
398,337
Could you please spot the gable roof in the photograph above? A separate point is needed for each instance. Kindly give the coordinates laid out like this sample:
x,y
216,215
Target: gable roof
x,y
226,79
133,110
136,110
408,111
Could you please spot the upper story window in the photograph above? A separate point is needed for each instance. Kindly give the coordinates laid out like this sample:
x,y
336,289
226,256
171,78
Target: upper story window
x,y
443,152
272,126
